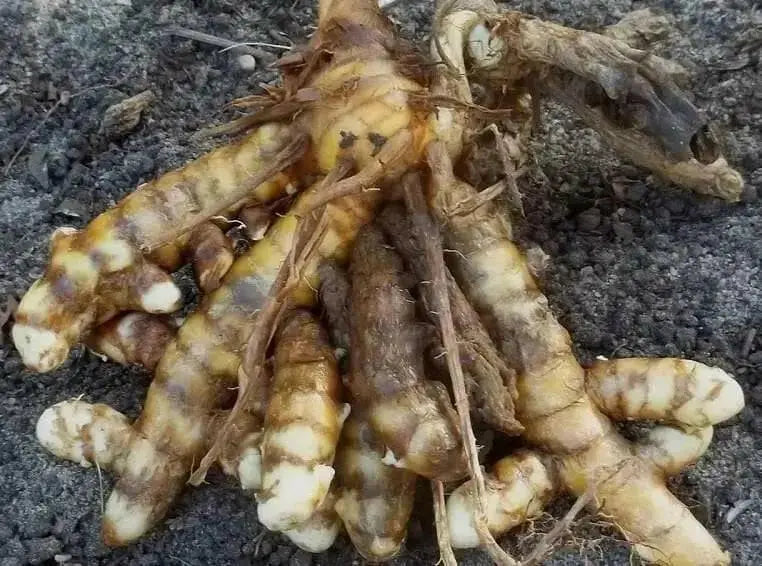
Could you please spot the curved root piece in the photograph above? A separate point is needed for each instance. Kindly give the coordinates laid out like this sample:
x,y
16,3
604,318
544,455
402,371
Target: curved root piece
x,y
517,490
554,407
133,338
85,433
667,390
375,500
60,307
625,94
672,449
412,416
302,425
211,255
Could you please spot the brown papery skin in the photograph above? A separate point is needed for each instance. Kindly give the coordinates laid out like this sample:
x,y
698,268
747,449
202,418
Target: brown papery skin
x,y
557,413
375,500
411,415
490,384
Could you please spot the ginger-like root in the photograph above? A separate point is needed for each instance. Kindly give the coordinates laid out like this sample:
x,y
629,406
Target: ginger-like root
x,y
199,370
206,248
95,434
256,220
413,416
241,457
554,407
667,390
302,425
334,297
671,449
211,255
86,434
517,489
60,307
133,338
491,385
375,500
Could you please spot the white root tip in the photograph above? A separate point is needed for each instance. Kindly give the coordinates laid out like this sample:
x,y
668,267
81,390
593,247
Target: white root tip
x,y
250,469
164,297
671,449
41,350
82,432
124,521
314,537
294,492
716,397
460,519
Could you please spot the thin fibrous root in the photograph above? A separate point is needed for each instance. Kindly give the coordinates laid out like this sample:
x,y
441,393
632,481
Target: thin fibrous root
x,y
446,555
545,546
429,236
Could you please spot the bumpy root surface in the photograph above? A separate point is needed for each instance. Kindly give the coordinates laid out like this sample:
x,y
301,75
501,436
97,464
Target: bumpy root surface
x,y
517,489
412,415
302,425
375,500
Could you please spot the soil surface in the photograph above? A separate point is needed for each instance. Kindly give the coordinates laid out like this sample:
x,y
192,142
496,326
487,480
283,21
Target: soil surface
x,y
635,268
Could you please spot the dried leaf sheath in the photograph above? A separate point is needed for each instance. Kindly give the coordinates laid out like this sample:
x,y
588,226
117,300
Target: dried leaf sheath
x,y
490,383
625,94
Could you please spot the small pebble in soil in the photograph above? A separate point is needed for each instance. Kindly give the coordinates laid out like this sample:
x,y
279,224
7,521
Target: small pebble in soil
x,y
247,62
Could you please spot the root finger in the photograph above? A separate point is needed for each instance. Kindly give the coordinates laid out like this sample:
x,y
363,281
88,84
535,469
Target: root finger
x,y
668,390
672,449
